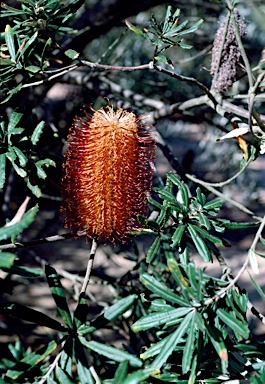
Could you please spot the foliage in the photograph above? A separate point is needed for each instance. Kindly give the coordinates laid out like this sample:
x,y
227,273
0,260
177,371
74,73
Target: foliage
x,y
178,322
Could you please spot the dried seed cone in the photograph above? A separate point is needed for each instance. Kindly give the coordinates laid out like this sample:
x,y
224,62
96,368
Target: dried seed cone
x,y
107,173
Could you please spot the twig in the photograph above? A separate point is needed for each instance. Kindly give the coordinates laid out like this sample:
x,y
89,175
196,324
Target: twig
x,y
89,266
52,367
223,183
46,240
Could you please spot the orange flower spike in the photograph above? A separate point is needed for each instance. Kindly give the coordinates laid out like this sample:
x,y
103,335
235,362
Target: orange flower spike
x,y
107,173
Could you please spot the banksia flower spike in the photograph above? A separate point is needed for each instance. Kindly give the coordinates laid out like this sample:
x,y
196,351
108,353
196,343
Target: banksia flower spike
x,y
107,173
227,68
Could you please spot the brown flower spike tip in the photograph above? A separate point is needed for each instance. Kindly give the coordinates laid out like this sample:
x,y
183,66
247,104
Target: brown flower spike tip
x,y
107,173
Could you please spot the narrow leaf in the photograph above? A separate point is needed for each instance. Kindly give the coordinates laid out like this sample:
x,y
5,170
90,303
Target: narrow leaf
x,y
21,157
233,323
58,294
31,360
9,38
161,290
72,54
121,372
111,353
33,316
134,29
174,339
37,132
258,288
83,366
62,377
140,376
160,318
2,170
153,250
189,347
200,244
14,120
177,235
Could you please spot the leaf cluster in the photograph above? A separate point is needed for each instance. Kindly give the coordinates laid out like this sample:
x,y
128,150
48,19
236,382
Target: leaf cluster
x,y
24,160
28,44
166,34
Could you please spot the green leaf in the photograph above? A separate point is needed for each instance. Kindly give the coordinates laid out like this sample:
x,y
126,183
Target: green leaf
x,y
153,250
9,38
160,318
13,121
121,372
193,28
111,353
66,359
83,366
2,170
189,347
156,348
7,259
31,360
41,163
58,294
161,290
34,189
140,375
233,323
207,235
7,232
173,340
219,345
200,244
134,29
33,316
258,288
213,204
37,132
61,376
177,235
72,54
26,46
21,157
25,271
33,69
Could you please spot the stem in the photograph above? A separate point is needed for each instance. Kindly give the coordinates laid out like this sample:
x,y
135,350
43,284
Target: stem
x,y
89,266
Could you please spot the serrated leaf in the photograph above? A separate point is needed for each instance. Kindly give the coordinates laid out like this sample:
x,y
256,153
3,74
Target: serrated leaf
x,y
21,157
37,133
200,244
7,232
161,290
72,54
173,340
2,170
111,353
207,234
177,235
58,295
10,42
14,120
21,172
153,250
7,259
160,318
31,360
41,163
34,189
234,324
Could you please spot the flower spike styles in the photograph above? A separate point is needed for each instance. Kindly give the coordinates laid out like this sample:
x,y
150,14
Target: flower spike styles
x,y
107,173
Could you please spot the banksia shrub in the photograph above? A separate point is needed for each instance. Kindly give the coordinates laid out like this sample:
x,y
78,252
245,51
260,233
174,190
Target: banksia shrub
x,y
230,55
107,173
